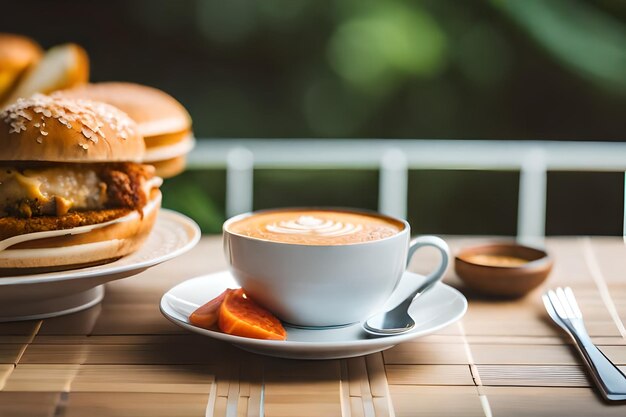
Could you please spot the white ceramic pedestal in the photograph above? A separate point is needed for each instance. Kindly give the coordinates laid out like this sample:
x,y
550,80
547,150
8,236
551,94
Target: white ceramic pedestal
x,y
20,310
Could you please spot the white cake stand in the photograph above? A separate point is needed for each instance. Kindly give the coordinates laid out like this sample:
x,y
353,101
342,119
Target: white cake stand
x,y
30,297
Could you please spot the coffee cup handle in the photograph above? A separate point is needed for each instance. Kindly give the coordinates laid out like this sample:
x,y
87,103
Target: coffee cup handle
x,y
444,250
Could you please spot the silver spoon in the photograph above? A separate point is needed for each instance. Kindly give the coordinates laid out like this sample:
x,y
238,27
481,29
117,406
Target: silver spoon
x,y
397,320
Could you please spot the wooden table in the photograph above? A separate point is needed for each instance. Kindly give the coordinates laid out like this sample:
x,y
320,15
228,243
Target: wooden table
x,y
122,358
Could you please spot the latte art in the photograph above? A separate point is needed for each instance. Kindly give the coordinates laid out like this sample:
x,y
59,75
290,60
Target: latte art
x,y
309,225
316,227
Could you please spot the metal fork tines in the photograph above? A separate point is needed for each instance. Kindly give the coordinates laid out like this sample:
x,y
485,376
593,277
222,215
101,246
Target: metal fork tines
x,y
563,309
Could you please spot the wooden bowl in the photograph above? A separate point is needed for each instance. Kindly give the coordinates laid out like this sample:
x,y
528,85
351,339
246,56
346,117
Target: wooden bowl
x,y
503,269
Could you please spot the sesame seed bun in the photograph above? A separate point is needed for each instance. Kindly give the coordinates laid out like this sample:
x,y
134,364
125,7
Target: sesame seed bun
x,y
63,66
17,54
57,129
161,119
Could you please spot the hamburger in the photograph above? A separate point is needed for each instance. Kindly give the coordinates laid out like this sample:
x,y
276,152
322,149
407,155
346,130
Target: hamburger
x,y
161,119
73,190
17,55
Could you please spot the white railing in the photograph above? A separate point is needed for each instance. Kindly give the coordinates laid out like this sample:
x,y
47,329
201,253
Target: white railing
x,y
394,159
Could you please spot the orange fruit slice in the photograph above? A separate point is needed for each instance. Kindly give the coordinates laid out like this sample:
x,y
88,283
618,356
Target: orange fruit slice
x,y
206,315
240,316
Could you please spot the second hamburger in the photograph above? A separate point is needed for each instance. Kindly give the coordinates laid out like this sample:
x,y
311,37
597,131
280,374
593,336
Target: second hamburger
x,y
161,119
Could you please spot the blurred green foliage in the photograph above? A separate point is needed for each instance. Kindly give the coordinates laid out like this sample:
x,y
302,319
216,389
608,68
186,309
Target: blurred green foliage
x,y
379,44
502,69
200,195
583,38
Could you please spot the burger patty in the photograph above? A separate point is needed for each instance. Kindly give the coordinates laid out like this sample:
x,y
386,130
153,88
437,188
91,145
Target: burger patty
x,y
125,185
60,189
13,226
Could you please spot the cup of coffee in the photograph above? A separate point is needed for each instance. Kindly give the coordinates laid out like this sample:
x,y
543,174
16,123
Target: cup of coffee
x,y
322,267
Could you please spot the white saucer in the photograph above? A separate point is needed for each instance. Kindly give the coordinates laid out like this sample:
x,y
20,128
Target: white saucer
x,y
436,309
29,297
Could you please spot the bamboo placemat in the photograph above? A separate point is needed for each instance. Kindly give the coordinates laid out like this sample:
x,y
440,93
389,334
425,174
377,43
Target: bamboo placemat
x,y
122,358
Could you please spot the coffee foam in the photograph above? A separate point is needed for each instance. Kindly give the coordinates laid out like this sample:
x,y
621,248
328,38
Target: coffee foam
x,y
316,227
312,225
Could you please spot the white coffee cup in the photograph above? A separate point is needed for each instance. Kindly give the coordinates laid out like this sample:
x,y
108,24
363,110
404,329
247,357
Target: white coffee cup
x,y
324,285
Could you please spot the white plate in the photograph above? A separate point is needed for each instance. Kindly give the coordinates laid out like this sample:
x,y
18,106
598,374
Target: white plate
x,y
37,296
434,310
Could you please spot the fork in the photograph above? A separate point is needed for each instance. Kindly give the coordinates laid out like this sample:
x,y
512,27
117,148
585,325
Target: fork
x,y
563,309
